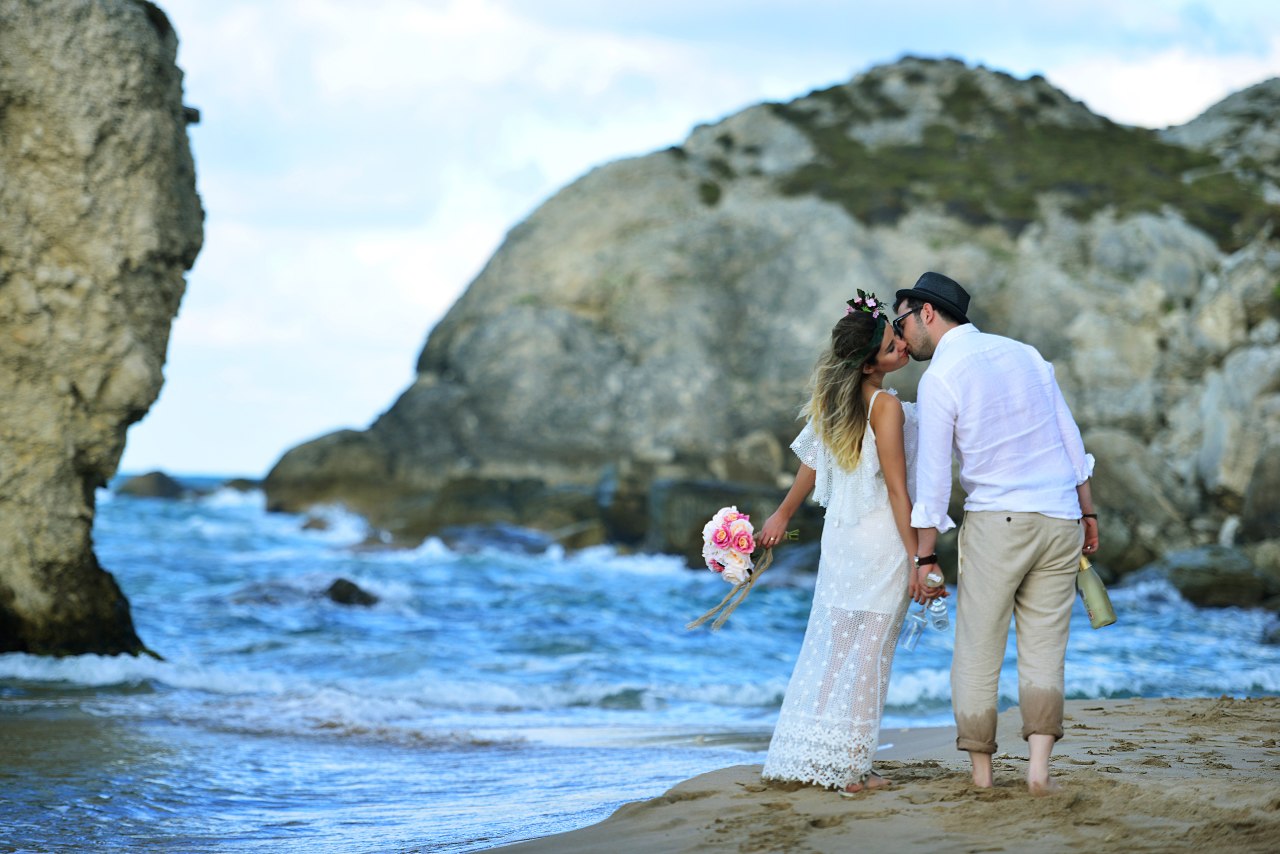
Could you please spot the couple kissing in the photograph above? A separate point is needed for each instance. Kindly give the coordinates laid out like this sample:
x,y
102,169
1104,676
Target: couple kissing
x,y
882,468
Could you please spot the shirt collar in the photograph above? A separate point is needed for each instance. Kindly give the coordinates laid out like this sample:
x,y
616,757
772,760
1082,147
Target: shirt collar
x,y
951,335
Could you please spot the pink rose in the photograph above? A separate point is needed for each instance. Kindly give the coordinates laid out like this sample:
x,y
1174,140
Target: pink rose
x,y
721,537
744,542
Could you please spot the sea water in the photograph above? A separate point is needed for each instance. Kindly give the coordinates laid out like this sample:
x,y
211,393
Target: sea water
x,y
498,690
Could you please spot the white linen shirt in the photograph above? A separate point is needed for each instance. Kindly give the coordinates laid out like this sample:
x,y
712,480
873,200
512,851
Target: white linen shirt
x,y
996,401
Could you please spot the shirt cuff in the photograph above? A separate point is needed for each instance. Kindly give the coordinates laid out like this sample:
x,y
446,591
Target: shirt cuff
x,y
1087,472
922,518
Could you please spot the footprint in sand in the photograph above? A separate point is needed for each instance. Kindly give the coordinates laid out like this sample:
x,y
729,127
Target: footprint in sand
x,y
827,821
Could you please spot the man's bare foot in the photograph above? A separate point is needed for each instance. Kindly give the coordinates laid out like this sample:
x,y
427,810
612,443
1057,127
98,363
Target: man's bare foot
x,y
982,774
1047,786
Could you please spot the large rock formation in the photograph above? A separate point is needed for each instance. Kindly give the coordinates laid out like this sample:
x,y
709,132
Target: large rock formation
x,y
650,329
99,220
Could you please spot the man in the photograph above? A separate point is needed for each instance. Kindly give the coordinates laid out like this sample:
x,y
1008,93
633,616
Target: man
x,y
1028,515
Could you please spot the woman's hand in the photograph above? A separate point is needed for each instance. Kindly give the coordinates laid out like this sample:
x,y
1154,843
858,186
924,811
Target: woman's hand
x,y
774,530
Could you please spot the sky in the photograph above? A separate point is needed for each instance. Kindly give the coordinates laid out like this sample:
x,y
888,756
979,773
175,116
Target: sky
x,y
358,163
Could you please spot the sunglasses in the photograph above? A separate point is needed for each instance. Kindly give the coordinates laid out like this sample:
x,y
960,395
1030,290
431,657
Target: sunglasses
x,y
897,321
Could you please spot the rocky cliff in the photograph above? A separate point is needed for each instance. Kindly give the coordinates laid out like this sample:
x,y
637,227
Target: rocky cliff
x,y
99,220
651,327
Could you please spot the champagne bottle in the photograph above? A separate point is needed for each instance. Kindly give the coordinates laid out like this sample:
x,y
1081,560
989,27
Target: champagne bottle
x,y
1094,594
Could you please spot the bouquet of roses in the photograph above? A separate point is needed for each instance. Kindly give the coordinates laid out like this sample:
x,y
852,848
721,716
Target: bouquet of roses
x,y
728,541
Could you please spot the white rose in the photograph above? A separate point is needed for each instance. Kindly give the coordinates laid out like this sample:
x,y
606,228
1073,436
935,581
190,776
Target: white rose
x,y
737,567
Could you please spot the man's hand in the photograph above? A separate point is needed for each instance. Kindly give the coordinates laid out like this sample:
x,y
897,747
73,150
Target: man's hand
x,y
1090,535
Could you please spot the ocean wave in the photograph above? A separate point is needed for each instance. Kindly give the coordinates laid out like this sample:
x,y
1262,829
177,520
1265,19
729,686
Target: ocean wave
x,y
460,695
1171,680
331,711
101,671
921,687
608,560
226,496
431,550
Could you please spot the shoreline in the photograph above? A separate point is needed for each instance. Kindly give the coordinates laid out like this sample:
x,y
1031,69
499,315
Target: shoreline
x,y
1145,774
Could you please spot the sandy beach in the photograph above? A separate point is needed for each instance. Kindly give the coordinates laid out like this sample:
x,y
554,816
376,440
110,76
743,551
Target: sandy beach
x,y
1136,775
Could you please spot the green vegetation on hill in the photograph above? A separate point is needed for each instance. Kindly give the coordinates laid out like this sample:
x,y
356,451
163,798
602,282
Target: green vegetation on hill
x,y
988,166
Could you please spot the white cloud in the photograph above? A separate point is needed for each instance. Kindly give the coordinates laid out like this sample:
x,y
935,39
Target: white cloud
x,y
1170,87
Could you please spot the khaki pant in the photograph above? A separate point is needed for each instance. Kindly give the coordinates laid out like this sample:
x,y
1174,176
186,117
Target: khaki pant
x,y
1024,565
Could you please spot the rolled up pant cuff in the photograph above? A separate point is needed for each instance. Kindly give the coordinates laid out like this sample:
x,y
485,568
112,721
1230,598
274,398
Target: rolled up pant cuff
x,y
974,746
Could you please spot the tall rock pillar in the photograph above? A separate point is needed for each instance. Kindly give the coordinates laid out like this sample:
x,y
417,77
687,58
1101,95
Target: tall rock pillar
x,y
99,221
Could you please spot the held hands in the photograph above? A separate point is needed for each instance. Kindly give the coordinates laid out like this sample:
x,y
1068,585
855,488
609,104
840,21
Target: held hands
x,y
919,591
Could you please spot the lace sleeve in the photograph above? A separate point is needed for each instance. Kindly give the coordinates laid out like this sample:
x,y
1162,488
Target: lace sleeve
x,y
809,448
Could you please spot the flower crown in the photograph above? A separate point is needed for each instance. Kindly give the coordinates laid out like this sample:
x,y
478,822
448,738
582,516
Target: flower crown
x,y
864,302
868,303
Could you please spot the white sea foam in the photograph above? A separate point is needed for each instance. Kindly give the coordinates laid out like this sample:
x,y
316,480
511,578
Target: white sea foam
x,y
909,688
111,670
606,559
458,695
432,549
341,525
226,496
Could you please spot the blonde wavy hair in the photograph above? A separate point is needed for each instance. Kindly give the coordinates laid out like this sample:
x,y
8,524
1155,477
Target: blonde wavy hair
x,y
836,405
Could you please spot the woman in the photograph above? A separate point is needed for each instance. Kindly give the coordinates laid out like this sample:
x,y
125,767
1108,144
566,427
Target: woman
x,y
855,451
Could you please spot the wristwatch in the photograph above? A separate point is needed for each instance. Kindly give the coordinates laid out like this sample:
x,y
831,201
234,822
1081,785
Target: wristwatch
x,y
924,561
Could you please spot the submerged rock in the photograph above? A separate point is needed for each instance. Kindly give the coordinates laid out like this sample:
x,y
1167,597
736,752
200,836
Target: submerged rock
x,y
1213,577
154,484
99,220
346,592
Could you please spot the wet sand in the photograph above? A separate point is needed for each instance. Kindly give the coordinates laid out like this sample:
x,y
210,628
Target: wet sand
x,y
1136,775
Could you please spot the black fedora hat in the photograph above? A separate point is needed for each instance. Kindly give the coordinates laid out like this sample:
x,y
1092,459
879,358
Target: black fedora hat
x,y
942,291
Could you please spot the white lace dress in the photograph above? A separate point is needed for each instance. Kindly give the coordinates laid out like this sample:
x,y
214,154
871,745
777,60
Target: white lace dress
x,y
829,725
